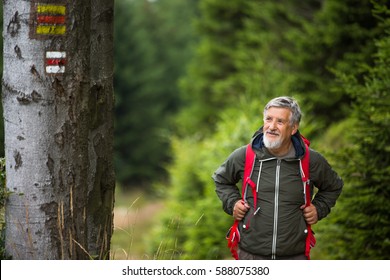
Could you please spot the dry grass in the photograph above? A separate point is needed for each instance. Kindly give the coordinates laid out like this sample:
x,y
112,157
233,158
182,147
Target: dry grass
x,y
131,224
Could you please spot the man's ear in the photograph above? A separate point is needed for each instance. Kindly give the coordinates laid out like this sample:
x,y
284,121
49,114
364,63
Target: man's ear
x,y
295,129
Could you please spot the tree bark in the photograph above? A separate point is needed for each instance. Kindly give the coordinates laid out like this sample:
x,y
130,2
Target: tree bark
x,y
58,113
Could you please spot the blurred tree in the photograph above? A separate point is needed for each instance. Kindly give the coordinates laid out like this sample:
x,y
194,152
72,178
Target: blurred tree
x,y
153,42
209,87
302,42
361,225
339,36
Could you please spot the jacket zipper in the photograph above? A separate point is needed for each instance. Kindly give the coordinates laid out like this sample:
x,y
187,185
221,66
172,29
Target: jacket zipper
x,y
276,209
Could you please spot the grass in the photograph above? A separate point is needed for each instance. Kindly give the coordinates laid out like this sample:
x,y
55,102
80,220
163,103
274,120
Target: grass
x,y
134,215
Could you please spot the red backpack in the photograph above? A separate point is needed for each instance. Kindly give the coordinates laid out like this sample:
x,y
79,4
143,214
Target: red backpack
x,y
233,235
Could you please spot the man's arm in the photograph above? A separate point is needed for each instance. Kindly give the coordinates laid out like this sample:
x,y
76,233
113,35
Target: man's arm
x,y
226,178
327,181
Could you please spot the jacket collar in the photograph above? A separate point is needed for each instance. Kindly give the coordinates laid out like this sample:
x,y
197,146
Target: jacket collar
x,y
258,143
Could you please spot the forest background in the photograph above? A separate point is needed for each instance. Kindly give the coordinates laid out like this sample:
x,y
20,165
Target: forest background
x,y
191,79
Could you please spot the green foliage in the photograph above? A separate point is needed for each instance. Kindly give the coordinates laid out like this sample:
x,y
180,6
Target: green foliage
x,y
363,219
210,85
338,37
303,43
152,45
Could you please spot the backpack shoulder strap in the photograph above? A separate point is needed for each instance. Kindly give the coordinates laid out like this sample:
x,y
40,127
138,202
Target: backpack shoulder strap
x,y
250,157
233,235
249,161
305,173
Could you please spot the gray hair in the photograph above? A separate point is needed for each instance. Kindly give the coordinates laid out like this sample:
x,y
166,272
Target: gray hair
x,y
286,102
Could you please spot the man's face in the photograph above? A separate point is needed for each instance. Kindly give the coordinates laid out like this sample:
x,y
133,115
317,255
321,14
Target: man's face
x,y
277,128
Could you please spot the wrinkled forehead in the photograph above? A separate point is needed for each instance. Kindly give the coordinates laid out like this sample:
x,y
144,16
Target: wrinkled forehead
x,y
278,112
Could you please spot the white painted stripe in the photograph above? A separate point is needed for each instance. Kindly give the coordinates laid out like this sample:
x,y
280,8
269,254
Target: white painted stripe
x,y
55,54
55,69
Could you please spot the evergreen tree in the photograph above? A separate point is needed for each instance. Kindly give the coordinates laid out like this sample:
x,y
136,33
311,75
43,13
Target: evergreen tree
x,y
361,227
209,88
338,37
153,41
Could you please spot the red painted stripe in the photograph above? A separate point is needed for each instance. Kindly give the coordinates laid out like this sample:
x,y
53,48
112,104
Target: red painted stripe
x,y
51,19
56,61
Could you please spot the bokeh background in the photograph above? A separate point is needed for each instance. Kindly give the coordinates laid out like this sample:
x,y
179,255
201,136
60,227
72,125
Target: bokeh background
x,y
191,79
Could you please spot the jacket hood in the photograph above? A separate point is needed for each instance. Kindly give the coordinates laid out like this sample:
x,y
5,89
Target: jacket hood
x,y
297,140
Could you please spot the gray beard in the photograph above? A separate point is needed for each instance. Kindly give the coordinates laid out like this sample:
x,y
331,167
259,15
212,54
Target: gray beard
x,y
271,145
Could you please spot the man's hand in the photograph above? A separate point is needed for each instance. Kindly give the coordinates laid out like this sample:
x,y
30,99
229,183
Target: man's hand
x,y
310,214
240,209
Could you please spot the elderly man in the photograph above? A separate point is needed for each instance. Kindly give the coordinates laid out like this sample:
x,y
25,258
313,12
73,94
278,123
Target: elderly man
x,y
277,228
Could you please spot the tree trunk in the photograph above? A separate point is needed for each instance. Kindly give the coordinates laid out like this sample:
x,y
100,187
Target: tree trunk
x,y
58,113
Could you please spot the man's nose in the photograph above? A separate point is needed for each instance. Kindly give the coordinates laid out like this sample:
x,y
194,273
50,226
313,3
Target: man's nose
x,y
272,125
